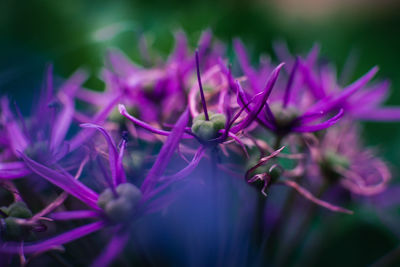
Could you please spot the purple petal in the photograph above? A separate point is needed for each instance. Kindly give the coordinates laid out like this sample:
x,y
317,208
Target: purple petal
x,y
320,126
244,63
83,135
112,151
166,153
142,124
29,248
290,83
121,177
329,104
380,114
252,115
188,169
113,249
12,170
15,135
64,119
203,99
74,215
65,182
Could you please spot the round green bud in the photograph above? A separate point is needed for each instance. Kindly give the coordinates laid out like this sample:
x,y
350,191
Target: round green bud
x,y
129,192
121,207
105,197
19,210
207,130
219,121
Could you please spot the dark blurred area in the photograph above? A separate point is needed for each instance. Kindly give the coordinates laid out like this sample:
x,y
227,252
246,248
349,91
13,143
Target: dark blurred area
x,y
73,34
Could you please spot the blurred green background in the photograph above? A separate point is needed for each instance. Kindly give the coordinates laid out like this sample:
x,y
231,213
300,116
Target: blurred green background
x,y
71,35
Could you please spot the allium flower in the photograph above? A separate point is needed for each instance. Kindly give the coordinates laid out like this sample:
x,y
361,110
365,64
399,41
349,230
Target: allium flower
x,y
158,92
119,205
340,158
213,128
43,135
301,102
360,101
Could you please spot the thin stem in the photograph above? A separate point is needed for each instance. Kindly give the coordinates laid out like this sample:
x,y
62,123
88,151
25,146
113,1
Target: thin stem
x,y
203,99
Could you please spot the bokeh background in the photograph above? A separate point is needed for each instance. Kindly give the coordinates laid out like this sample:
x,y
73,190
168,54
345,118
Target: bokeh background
x,y
75,33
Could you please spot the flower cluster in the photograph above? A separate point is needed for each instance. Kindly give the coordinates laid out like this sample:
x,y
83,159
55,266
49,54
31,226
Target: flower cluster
x,y
291,123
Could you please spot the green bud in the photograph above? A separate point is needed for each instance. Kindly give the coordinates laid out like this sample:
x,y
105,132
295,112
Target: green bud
x,y
120,208
207,130
129,192
105,197
19,210
219,121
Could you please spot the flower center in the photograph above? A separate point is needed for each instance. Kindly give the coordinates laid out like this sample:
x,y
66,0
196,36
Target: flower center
x,y
284,117
120,208
208,129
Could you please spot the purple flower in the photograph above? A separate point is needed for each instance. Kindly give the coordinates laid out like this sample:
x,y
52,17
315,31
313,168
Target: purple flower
x,y
119,205
289,108
212,128
155,93
340,158
43,135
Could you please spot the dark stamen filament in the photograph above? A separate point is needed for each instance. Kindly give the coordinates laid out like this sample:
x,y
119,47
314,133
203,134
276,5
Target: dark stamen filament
x,y
203,99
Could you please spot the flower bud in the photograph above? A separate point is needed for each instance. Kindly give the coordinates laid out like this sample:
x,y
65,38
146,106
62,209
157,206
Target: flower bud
x,y
121,207
19,210
207,130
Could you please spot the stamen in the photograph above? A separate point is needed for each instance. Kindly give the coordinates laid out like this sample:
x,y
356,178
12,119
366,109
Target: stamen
x,y
203,99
